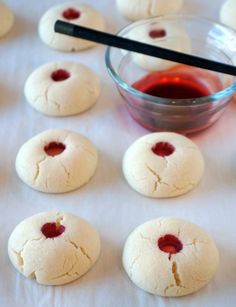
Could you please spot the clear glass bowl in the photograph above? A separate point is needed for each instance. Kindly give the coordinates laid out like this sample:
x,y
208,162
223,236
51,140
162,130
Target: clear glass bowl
x,y
208,39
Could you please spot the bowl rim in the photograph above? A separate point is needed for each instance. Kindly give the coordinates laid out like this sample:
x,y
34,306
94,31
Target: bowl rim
x,y
191,102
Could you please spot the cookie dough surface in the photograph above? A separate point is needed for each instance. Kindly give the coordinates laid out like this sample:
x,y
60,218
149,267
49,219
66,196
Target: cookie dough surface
x,y
62,88
163,164
54,248
162,34
228,13
6,19
56,161
170,257
73,12
141,9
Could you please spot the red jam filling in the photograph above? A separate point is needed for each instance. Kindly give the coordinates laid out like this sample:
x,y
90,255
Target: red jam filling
x,y
176,83
52,230
170,244
159,33
54,149
60,75
163,149
71,14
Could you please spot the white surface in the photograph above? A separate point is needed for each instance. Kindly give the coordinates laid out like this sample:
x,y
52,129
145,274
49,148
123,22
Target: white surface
x,y
107,201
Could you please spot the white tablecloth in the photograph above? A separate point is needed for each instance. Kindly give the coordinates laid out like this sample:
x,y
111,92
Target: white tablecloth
x,y
107,201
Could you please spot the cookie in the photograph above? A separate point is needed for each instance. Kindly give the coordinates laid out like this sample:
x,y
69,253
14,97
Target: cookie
x,y
54,248
170,257
6,19
75,13
141,9
228,13
56,161
163,164
62,88
166,35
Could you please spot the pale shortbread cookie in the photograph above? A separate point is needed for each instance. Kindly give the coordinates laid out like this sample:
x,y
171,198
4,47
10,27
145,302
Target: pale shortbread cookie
x,y
54,248
228,13
165,35
170,257
141,9
6,19
163,164
56,161
73,12
62,88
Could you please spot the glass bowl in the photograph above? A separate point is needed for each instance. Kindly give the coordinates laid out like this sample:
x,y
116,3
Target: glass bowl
x,y
208,39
